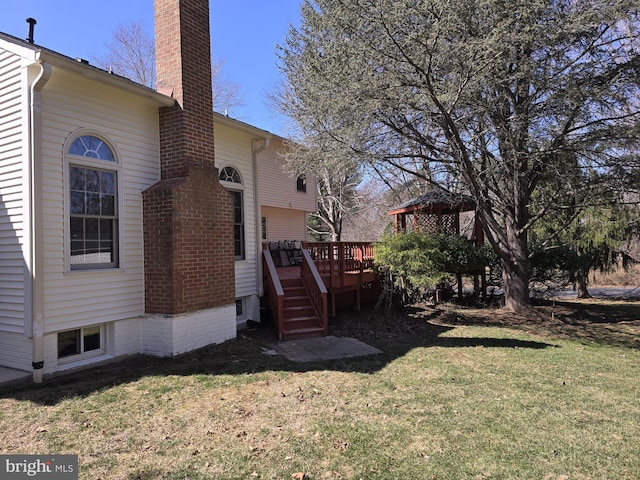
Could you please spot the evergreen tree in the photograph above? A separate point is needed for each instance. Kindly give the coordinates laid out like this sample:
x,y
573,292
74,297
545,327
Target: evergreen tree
x,y
503,97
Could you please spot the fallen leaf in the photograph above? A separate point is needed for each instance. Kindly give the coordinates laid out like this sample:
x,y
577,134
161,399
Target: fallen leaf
x,y
340,445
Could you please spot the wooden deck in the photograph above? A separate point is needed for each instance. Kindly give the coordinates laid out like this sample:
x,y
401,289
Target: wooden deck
x,y
343,267
326,269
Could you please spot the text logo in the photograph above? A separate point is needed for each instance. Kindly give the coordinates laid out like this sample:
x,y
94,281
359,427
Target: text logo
x,y
50,467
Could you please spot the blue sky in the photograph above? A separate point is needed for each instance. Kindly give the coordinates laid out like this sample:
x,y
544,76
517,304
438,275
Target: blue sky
x,y
244,35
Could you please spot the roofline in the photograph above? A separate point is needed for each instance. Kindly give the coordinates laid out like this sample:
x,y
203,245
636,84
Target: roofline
x,y
36,53
464,206
41,54
245,127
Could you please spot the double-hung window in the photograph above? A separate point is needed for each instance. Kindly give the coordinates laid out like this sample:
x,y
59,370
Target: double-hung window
x,y
93,204
232,180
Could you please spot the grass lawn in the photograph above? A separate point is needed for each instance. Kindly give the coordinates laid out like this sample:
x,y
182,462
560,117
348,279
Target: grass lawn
x,y
457,394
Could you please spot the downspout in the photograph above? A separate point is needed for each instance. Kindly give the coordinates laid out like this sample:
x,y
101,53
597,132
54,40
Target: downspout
x,y
256,150
36,221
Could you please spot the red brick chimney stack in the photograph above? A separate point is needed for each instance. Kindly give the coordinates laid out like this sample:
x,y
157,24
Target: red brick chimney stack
x,y
183,70
188,229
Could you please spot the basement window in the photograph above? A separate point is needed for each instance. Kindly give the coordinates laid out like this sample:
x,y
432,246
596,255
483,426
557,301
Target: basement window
x,y
88,341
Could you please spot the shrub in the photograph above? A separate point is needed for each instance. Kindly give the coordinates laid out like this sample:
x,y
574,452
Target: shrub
x,y
418,263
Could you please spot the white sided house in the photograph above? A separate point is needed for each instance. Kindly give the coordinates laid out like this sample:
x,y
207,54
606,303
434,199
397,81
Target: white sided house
x,y
269,204
111,243
77,148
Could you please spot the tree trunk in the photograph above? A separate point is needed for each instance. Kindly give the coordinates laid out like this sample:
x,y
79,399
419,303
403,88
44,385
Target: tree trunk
x,y
515,272
516,285
581,283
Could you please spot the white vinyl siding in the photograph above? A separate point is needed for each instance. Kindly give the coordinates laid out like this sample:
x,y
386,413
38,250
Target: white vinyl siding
x,y
15,350
234,149
12,130
69,105
285,224
279,189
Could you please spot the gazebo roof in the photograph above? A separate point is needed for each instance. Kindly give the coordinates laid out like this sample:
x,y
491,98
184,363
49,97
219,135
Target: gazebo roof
x,y
436,201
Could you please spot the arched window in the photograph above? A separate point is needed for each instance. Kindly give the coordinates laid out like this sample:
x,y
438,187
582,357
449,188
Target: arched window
x,y
231,176
92,147
93,204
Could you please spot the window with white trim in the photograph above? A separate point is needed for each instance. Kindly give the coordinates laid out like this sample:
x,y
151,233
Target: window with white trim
x,y
231,177
93,204
87,341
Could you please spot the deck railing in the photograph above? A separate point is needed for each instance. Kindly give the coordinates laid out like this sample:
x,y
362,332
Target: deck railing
x,y
274,291
316,290
336,260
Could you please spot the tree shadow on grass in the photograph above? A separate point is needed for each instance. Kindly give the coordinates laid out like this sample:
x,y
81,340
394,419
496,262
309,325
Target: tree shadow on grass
x,y
604,322
395,335
488,342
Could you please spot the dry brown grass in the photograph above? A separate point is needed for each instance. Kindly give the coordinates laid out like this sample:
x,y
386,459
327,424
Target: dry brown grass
x,y
619,277
457,393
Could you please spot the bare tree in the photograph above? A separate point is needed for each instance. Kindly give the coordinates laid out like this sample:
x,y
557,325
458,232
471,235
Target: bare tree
x,y
131,54
226,94
370,219
337,179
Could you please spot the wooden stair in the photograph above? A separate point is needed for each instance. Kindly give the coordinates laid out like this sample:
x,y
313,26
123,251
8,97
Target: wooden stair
x,y
300,319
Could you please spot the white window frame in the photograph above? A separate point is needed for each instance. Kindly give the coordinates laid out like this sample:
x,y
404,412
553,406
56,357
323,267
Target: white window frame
x,y
73,160
83,354
236,185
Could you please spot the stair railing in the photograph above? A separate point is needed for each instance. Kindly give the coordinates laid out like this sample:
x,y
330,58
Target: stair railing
x,y
273,290
315,289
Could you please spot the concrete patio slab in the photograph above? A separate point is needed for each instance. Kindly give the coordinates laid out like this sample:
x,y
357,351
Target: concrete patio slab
x,y
324,348
9,375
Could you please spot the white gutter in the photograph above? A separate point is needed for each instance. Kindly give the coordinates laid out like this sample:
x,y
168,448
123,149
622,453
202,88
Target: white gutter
x,y
38,74
83,68
255,151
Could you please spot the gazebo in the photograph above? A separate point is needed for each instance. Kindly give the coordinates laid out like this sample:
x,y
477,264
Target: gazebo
x,y
438,212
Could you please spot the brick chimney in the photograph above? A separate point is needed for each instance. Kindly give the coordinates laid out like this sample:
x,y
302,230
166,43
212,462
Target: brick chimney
x,y
188,229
